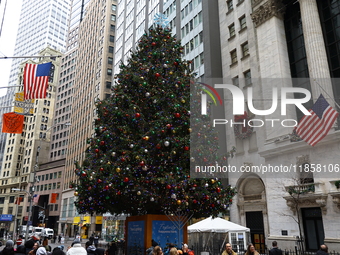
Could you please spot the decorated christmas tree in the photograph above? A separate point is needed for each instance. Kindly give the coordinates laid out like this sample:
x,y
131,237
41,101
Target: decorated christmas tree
x,y
139,160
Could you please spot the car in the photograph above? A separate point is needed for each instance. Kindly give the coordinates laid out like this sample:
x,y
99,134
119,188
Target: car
x,y
48,232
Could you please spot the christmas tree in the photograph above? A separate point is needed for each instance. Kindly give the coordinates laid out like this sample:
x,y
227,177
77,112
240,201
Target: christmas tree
x,y
139,160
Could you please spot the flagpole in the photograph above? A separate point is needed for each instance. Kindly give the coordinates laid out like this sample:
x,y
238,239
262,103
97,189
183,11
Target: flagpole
x,y
327,94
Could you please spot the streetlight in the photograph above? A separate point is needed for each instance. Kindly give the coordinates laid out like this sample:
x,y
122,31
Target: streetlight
x,y
36,167
16,213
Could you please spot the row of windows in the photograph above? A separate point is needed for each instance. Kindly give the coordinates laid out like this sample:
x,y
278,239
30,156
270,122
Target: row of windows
x,y
58,153
195,42
55,145
50,176
189,7
243,25
247,79
49,186
244,50
191,24
230,4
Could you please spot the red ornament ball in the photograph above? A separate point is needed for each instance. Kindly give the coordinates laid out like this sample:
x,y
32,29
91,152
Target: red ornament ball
x,y
186,148
102,143
177,115
218,190
101,169
157,75
153,44
126,179
137,115
96,150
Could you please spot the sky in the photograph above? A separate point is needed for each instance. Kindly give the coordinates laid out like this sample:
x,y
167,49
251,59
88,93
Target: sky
x,y
7,38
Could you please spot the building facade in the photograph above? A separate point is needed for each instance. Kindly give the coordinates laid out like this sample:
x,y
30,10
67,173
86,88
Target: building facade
x,y
93,81
282,44
24,152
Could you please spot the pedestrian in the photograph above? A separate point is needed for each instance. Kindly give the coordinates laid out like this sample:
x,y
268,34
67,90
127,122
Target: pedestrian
x,y
91,239
96,240
153,245
251,250
173,251
41,251
29,245
76,249
90,248
186,250
21,250
275,250
9,248
54,238
57,251
35,248
19,240
157,250
323,250
45,241
228,250
59,238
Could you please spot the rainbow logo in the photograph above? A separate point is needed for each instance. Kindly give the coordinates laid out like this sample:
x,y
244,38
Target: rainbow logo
x,y
210,91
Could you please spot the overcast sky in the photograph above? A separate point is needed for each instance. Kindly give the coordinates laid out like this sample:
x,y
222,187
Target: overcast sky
x,y
8,35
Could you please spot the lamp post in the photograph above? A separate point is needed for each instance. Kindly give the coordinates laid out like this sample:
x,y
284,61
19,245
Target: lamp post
x,y
16,213
33,180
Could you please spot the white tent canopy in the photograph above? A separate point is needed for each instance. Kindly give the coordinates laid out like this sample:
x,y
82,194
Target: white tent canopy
x,y
216,225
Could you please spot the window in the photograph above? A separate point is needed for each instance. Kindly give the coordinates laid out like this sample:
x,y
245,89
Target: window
x,y
110,61
243,23
245,49
230,5
232,30
113,17
108,84
110,49
109,71
233,56
112,38
236,81
113,7
247,77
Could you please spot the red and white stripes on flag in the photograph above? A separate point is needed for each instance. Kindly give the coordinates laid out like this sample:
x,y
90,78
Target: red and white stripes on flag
x,y
36,80
313,128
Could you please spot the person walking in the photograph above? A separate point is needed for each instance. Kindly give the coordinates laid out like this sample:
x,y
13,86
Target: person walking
x,y
251,250
323,250
9,248
275,250
228,250
76,249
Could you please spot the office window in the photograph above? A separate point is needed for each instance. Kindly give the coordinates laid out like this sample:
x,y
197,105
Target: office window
x,y
232,30
113,17
247,77
236,81
243,23
230,5
233,56
245,49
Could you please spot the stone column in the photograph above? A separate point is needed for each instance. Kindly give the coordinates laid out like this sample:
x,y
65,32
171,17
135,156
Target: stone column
x,y
315,50
273,58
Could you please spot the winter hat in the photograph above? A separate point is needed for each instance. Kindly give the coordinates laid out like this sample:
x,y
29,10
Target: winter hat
x,y
9,244
41,251
91,248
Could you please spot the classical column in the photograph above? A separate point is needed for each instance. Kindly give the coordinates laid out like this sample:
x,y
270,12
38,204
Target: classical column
x,y
315,50
273,58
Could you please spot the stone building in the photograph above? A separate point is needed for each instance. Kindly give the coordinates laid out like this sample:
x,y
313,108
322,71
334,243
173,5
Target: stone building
x,y
270,44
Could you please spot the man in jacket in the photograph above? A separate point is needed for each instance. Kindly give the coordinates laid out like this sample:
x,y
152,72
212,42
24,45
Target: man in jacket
x,y
228,250
275,250
76,249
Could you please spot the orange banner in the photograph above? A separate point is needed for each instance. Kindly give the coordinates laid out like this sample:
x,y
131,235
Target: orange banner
x,y
12,123
53,198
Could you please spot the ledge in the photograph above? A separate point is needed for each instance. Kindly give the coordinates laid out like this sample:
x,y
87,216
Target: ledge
x,y
231,37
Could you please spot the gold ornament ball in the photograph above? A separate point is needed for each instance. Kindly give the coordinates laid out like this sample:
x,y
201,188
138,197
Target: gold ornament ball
x,y
76,193
190,130
170,73
118,170
174,131
179,202
212,181
183,101
137,157
138,192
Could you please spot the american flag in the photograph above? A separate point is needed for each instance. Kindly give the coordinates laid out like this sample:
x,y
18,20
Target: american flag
x,y
313,128
36,80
